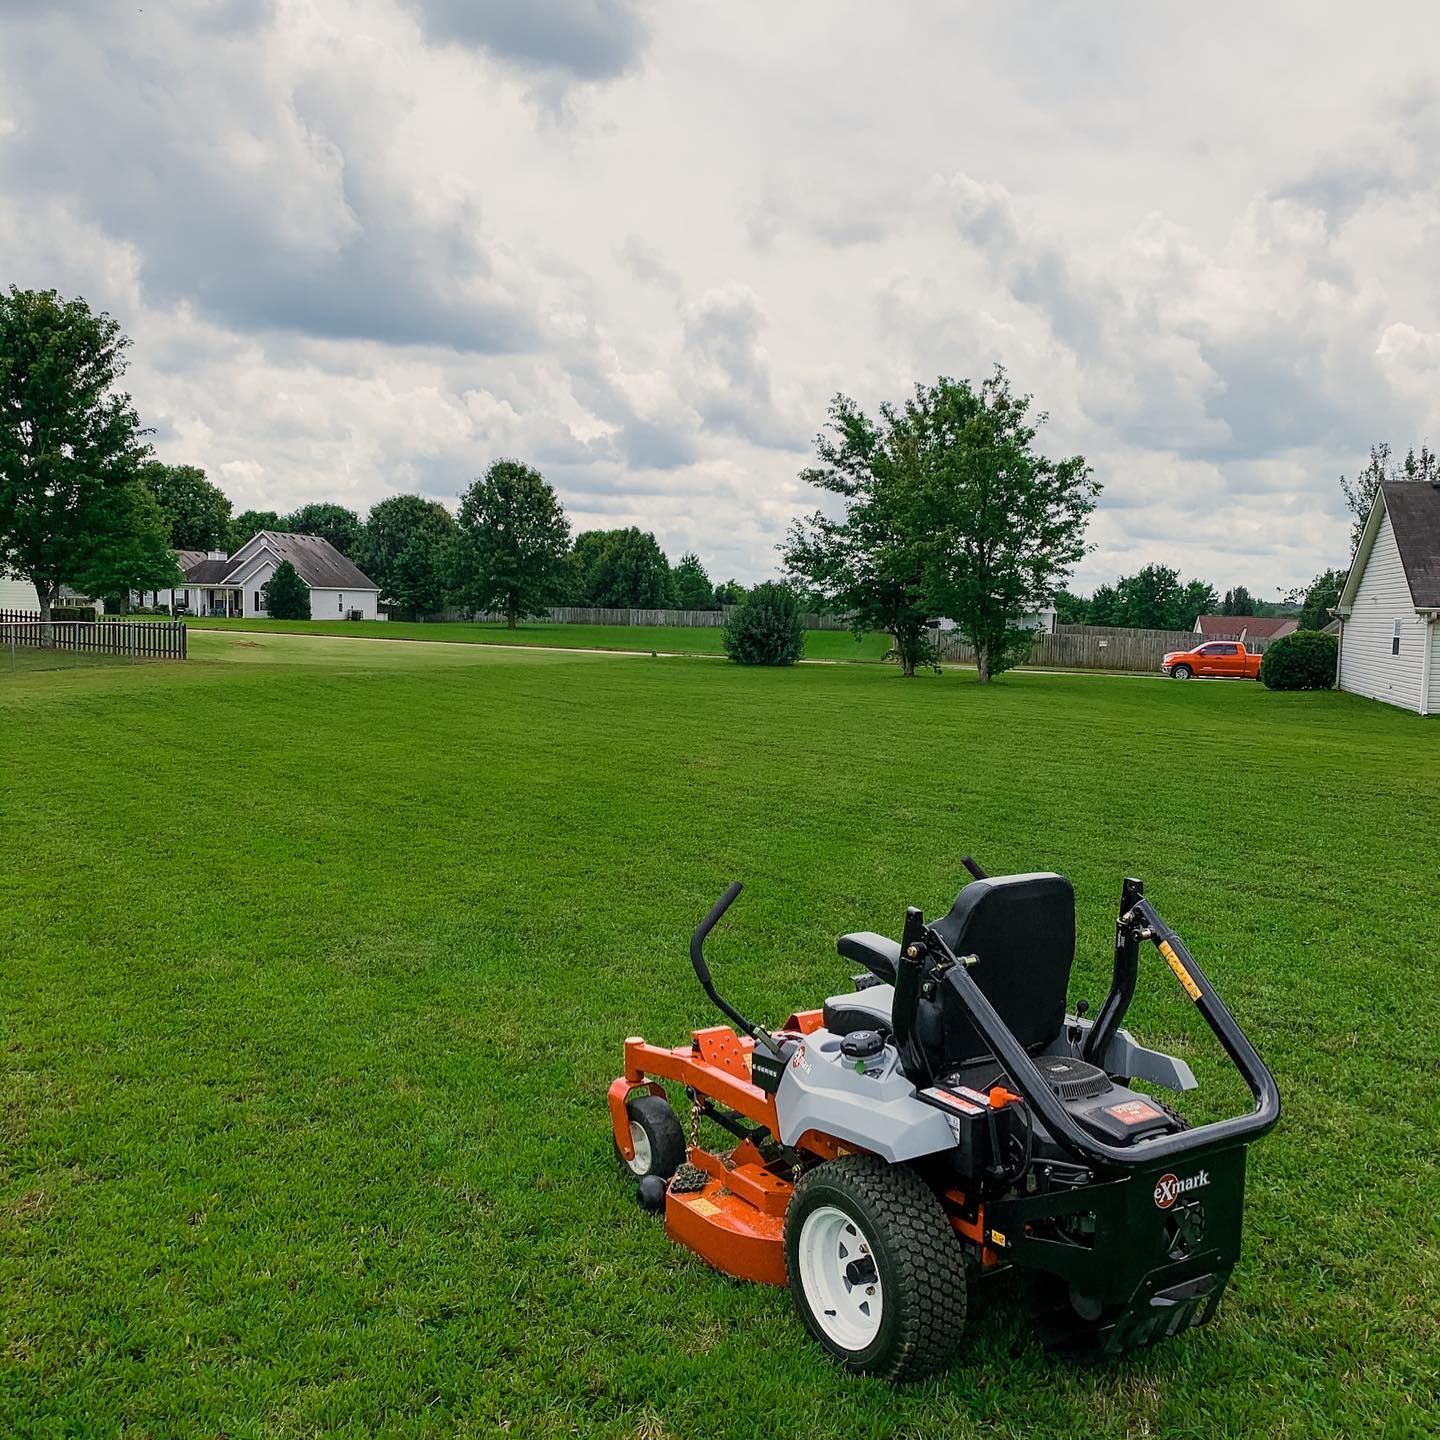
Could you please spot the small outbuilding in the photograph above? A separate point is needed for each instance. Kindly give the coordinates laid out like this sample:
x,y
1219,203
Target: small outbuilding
x,y
1388,636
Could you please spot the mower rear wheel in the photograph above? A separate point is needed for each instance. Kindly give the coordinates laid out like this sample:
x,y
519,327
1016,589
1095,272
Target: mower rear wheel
x,y
657,1136
875,1269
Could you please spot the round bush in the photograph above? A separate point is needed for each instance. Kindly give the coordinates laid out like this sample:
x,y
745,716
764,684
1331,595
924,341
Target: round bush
x,y
765,630
1304,660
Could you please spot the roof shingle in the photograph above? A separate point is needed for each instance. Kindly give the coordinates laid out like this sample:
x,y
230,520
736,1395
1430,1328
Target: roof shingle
x,y
1414,510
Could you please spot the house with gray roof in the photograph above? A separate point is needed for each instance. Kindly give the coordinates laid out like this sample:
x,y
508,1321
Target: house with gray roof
x,y
233,585
1389,638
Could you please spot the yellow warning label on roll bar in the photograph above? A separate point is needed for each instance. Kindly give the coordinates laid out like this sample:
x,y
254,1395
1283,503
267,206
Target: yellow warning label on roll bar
x,y
1181,973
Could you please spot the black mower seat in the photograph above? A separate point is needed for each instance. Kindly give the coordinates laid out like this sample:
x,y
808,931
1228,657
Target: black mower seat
x,y
1021,929
877,954
867,1009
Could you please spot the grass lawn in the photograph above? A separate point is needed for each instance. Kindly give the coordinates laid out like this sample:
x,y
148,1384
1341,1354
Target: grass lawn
x,y
666,639
318,957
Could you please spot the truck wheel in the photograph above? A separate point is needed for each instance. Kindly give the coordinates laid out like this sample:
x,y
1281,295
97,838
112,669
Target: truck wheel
x,y
876,1272
656,1133
1182,672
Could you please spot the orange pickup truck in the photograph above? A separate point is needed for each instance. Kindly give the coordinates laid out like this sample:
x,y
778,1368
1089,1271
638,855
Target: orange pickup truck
x,y
1221,659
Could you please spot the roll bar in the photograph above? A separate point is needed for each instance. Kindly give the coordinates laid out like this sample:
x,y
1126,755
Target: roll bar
x,y
1139,921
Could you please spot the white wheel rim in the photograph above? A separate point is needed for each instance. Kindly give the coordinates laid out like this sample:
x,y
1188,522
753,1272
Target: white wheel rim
x,y
840,1279
641,1141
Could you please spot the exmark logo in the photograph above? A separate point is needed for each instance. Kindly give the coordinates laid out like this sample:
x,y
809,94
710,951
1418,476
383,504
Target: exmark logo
x,y
1169,1188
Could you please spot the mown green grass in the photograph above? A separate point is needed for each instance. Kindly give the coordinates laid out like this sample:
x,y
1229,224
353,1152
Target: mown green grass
x,y
318,957
664,639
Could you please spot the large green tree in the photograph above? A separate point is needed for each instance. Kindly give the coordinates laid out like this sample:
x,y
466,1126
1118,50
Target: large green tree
x,y
510,547
404,551
341,527
1238,601
622,568
970,521
692,587
1154,598
873,563
73,509
197,513
1006,523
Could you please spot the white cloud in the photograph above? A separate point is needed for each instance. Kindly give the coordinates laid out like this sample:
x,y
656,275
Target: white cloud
x,y
354,260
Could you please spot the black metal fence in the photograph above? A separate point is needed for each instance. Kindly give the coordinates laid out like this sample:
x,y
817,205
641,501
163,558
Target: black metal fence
x,y
144,640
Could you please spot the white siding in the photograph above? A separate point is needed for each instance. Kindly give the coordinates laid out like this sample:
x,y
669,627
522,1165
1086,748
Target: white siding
x,y
17,594
1366,665
337,604
255,581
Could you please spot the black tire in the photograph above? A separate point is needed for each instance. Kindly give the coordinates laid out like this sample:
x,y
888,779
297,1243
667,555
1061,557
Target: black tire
x,y
917,1259
1181,672
663,1134
1172,1113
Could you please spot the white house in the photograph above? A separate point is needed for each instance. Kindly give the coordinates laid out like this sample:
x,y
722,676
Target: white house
x,y
17,594
232,585
151,598
1389,639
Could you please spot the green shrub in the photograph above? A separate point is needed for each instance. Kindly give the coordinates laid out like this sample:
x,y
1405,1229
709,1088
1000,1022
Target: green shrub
x,y
286,595
765,630
1303,660
72,612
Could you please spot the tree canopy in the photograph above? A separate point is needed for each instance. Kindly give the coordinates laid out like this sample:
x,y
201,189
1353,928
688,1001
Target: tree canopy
x,y
874,562
511,542
403,550
1154,598
1321,596
622,568
197,513
692,588
73,508
341,527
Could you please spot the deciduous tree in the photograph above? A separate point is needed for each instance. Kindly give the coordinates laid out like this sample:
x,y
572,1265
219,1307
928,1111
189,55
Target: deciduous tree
x,y
511,544
873,562
999,525
404,550
621,568
197,513
72,506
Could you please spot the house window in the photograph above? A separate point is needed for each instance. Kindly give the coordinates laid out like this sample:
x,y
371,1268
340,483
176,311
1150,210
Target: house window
x,y
259,604
1395,638
342,604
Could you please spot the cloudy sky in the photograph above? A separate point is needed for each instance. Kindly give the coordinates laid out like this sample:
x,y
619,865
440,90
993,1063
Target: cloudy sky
x,y
366,246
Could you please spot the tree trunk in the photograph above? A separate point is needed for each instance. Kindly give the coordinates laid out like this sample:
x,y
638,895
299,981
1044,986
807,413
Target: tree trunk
x,y
982,664
46,596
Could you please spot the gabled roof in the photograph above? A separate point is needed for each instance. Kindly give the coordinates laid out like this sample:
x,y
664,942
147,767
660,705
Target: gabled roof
x,y
1414,510
186,558
1257,627
319,564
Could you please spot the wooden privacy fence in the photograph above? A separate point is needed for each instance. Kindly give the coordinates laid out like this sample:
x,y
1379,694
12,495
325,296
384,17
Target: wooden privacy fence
x,y
1095,647
599,615
162,640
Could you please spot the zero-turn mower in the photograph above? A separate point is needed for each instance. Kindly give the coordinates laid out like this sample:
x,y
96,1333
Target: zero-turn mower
x,y
947,1119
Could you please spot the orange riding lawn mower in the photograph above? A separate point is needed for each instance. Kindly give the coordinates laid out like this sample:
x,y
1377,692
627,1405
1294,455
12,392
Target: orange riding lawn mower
x,y
948,1119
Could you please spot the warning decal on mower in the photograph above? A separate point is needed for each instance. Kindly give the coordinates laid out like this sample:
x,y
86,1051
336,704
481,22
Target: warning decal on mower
x,y
1169,1188
1181,973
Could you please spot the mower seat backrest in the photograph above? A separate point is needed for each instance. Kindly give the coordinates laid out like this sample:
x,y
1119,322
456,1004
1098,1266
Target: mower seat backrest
x,y
1021,929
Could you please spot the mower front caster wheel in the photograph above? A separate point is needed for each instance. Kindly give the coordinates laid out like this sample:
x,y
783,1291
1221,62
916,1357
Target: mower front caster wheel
x,y
656,1134
875,1269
